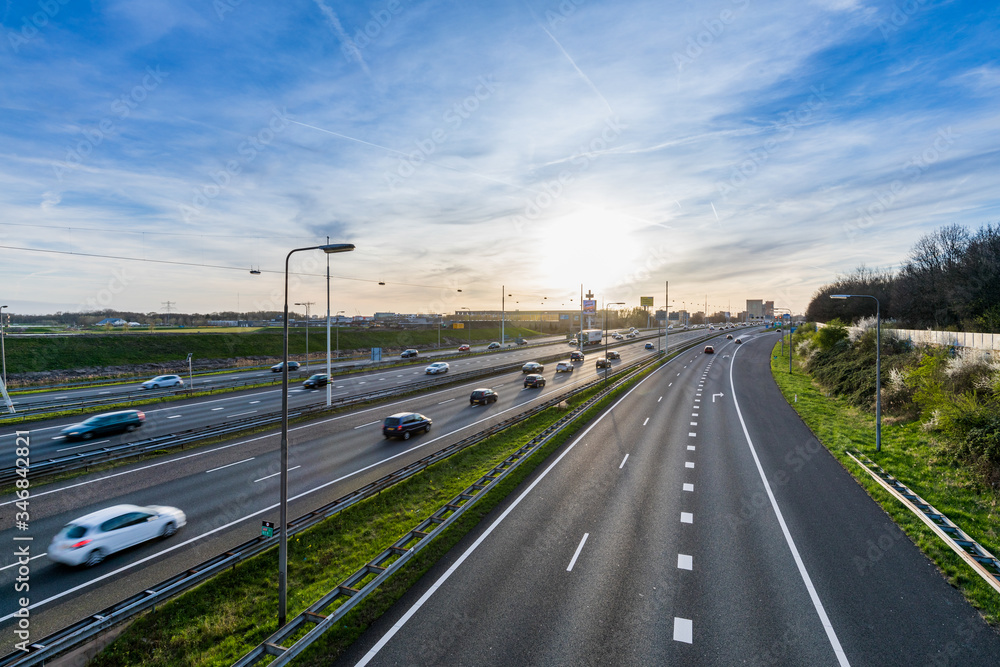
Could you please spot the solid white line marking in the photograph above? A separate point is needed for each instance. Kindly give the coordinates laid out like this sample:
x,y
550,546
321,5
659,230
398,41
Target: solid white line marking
x,y
689,464
683,630
363,425
232,464
623,462
685,562
689,487
687,517
448,401
578,550
273,475
690,448
645,422
824,619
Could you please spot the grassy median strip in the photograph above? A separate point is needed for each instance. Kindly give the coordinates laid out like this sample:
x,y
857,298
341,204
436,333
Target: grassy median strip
x,y
227,616
913,456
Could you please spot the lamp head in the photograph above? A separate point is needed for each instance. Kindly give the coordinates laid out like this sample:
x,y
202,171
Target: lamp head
x,y
839,296
337,247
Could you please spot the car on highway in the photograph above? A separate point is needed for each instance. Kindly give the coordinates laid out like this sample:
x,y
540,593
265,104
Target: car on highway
x,y
406,354
437,367
292,366
738,341
316,381
108,423
631,335
532,367
618,336
571,343
483,396
493,346
613,354
404,424
729,336
95,536
603,363
464,348
163,381
576,355
564,366
709,349
650,346
534,381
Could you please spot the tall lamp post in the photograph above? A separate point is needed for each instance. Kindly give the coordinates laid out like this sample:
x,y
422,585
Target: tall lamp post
x,y
3,350
878,364
283,537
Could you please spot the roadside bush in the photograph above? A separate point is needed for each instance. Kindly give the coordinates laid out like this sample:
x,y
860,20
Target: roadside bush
x,y
833,333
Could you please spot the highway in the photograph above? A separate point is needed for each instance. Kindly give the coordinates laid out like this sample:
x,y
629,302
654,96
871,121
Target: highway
x,y
697,523
227,489
174,416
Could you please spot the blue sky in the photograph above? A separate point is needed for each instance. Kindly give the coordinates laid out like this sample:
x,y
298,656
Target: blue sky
x,y
739,149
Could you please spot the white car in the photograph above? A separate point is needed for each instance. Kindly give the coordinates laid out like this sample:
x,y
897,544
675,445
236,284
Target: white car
x,y
437,367
163,381
92,538
564,366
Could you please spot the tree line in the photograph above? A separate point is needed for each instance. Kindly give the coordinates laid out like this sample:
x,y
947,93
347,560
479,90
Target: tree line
x,y
950,281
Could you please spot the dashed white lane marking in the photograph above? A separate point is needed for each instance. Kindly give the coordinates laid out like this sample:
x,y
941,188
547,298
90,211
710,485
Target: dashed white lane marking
x,y
685,562
232,464
254,402
659,399
687,517
683,631
577,554
31,558
689,464
670,385
448,401
273,475
692,435
646,421
678,375
217,409
623,462
175,416
363,425
88,444
690,448
689,487
694,414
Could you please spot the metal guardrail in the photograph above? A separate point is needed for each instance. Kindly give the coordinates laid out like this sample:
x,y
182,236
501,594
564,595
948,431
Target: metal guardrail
x,y
985,564
84,630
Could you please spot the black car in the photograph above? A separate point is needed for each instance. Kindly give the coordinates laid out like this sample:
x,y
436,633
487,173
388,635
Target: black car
x,y
534,381
406,354
292,366
576,355
532,367
484,396
729,336
106,424
316,381
613,354
603,363
404,424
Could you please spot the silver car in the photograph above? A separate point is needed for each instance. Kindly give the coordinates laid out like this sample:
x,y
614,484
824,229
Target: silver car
x,y
163,381
437,367
92,538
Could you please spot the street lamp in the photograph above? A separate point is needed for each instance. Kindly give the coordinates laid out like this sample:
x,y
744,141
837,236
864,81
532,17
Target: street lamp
x,y
283,538
306,304
878,364
606,306
190,375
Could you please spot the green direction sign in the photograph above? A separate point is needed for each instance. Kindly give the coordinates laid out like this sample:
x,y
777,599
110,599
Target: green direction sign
x,y
266,529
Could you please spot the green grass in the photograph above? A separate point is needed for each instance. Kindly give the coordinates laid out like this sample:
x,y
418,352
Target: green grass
x,y
916,459
84,351
227,616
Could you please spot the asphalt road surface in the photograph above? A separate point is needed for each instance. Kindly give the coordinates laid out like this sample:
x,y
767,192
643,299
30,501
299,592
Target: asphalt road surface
x,y
698,522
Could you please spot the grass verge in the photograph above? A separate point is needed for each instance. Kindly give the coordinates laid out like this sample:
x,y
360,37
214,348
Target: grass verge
x,y
916,459
219,621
